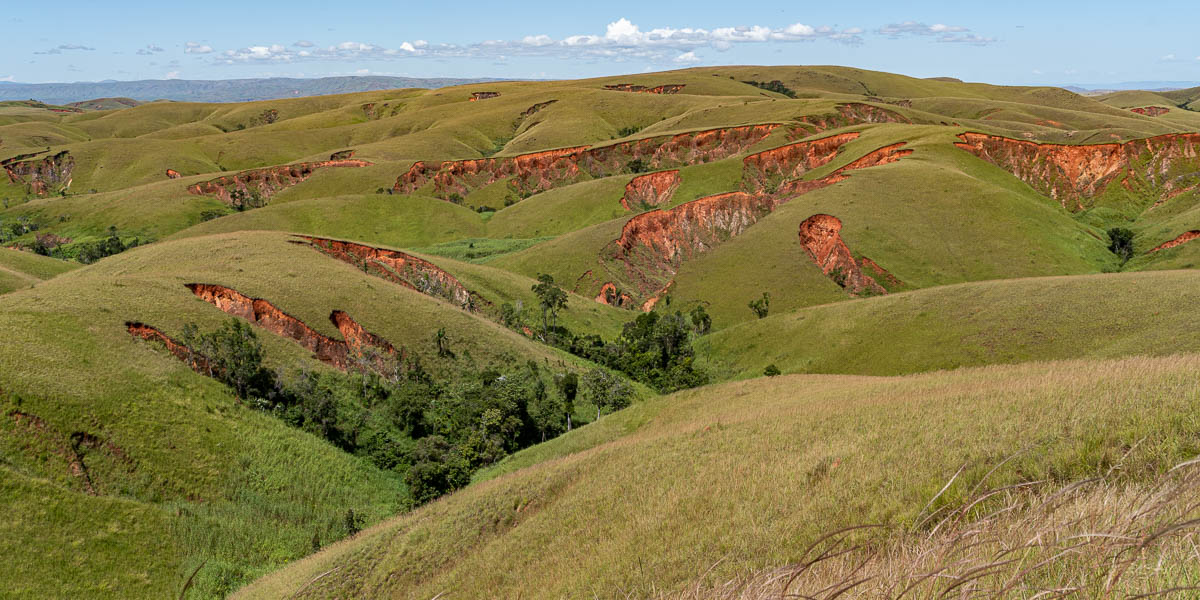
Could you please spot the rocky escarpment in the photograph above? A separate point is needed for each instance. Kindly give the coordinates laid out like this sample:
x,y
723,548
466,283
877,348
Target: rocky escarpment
x,y
1163,166
670,88
475,96
1182,239
765,171
653,245
1151,111
395,266
358,345
341,155
820,236
194,360
540,171
852,113
650,190
49,175
243,188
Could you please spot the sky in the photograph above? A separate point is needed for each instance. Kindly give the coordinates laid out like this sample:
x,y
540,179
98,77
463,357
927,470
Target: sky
x,y
1014,42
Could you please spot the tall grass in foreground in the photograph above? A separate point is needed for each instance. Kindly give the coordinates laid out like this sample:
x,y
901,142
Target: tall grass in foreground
x,y
1089,539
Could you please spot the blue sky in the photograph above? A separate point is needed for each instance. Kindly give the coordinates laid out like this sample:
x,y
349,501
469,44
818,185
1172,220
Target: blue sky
x,y
1014,42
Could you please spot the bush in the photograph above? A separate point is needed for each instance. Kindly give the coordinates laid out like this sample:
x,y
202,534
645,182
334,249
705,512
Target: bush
x,y
1120,242
771,370
761,306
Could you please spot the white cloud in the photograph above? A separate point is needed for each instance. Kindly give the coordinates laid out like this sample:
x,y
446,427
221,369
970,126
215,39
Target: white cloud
x,y
621,40
149,50
1168,57
61,47
172,74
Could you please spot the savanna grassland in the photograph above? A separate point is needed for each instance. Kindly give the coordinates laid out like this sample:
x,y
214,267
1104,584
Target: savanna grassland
x,y
728,332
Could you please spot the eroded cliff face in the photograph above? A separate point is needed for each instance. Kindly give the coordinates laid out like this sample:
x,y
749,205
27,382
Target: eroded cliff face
x,y
540,171
476,96
1182,239
670,88
611,295
194,360
404,269
653,245
173,174
650,190
359,347
1166,165
820,236
852,113
237,189
529,112
1151,111
341,155
49,175
766,170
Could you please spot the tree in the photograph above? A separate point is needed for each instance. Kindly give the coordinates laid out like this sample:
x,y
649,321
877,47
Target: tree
x,y
1120,242
443,343
771,370
607,391
701,322
234,355
568,384
761,306
551,298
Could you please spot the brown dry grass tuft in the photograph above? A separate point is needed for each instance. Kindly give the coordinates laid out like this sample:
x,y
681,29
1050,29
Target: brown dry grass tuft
x,y
1090,539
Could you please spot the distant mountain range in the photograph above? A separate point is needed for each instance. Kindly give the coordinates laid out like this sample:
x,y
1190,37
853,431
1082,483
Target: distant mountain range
x,y
226,90
1151,86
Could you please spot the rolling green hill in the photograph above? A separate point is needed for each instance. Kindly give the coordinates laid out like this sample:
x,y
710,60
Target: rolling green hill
x,y
237,333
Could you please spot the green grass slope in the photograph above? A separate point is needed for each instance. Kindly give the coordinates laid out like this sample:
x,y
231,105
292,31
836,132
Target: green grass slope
x,y
23,269
677,501
991,322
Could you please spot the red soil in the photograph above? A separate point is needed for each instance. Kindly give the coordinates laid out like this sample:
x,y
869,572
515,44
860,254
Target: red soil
x,y
173,174
50,174
266,182
853,113
1182,239
653,245
1151,111
1070,174
652,189
194,360
395,266
540,171
670,88
820,235
341,354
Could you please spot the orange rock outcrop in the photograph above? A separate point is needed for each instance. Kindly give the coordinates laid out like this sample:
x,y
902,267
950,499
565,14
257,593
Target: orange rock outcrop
x,y
653,245
820,236
43,177
173,174
344,355
1182,239
1073,174
651,189
395,266
265,182
540,171
670,88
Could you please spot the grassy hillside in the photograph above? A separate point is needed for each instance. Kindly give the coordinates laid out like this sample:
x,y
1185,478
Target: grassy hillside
x,y
902,271
675,501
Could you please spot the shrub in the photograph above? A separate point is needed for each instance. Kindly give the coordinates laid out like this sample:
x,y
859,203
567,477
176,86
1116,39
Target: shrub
x,y
771,370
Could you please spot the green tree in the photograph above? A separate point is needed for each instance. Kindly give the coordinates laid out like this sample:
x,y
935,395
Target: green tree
x,y
607,391
551,298
701,322
761,306
1120,242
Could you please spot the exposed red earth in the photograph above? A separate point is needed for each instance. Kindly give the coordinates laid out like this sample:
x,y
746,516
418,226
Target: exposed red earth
x,y
341,354
651,189
820,236
400,268
173,174
1151,111
266,182
653,245
50,174
670,88
539,171
194,360
1071,174
852,113
612,296
1182,239
341,155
